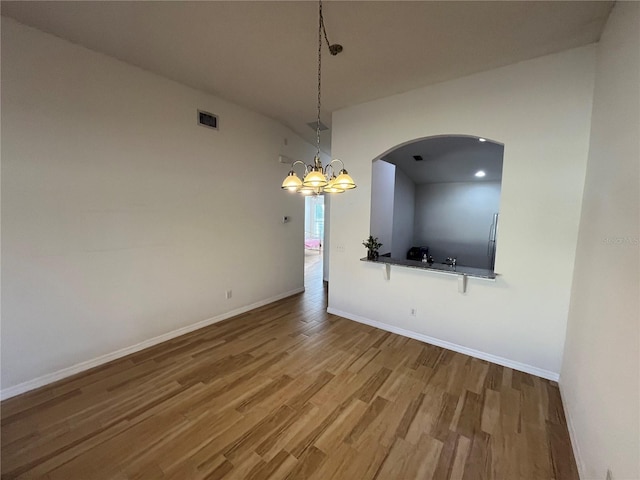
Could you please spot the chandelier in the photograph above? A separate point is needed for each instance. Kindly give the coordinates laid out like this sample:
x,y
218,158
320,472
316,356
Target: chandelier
x,y
317,179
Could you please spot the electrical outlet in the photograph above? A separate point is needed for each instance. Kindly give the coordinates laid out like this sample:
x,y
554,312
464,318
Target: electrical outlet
x,y
413,311
609,475
228,294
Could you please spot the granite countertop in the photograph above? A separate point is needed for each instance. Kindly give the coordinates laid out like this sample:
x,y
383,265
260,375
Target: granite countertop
x,y
438,267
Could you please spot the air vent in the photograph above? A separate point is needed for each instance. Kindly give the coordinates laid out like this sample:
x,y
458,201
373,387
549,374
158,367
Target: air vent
x,y
207,119
418,158
312,126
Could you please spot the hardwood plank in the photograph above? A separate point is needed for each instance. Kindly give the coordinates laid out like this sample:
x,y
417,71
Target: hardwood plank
x,y
490,421
493,380
409,416
562,458
371,386
266,469
407,461
538,461
448,455
375,409
336,464
32,410
478,464
307,464
264,393
460,460
365,462
364,359
242,465
258,432
311,437
442,426
193,439
300,399
281,437
510,416
333,437
476,375
220,471
427,415
471,415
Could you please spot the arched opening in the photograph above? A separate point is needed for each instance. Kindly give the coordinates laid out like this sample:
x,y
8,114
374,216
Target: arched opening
x,y
437,200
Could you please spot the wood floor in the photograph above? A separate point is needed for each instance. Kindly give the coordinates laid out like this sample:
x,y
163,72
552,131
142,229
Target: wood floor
x,y
288,391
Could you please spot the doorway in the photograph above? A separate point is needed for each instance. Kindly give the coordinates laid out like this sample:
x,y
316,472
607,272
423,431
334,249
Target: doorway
x,y
313,239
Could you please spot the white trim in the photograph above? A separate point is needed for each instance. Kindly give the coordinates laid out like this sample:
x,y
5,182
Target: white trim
x,y
505,362
102,359
572,435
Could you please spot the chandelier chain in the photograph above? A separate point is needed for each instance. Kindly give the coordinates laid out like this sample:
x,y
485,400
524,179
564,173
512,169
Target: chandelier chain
x,y
320,28
334,50
324,30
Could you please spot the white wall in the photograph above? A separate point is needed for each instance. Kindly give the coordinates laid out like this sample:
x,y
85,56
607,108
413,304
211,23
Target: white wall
x,y
540,110
381,227
454,220
601,365
404,201
122,219
326,244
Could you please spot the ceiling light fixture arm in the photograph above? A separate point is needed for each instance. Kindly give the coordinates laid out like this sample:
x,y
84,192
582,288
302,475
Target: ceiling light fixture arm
x,y
330,167
301,163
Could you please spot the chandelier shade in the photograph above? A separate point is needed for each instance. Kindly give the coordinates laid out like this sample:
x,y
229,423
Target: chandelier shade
x,y
292,182
315,179
332,187
344,181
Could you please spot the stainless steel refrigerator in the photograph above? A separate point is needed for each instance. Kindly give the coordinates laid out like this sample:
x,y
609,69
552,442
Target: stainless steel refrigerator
x,y
491,245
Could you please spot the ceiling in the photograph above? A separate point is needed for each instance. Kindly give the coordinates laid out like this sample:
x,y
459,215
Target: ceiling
x,y
449,159
262,55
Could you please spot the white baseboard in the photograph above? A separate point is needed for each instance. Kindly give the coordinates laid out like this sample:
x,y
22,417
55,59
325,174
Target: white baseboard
x,y
95,362
505,362
572,435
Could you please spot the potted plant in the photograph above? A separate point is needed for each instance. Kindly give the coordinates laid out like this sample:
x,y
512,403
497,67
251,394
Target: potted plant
x,y
372,245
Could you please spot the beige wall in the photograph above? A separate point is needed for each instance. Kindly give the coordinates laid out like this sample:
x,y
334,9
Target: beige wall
x,y
404,206
540,110
122,219
454,220
601,365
